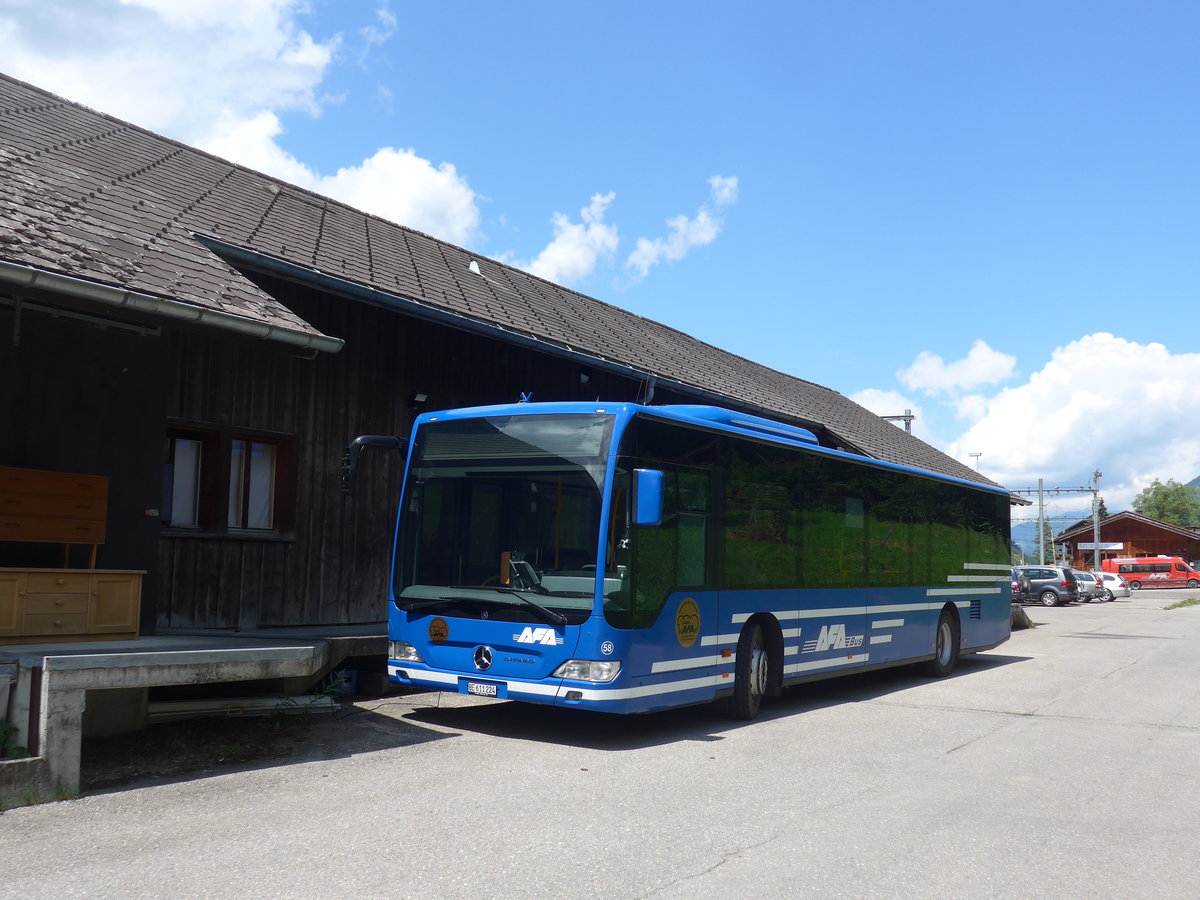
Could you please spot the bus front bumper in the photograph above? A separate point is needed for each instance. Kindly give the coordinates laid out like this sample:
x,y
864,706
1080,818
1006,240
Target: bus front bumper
x,y
618,697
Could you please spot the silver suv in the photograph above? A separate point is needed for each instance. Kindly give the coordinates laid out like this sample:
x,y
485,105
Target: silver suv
x,y
1051,585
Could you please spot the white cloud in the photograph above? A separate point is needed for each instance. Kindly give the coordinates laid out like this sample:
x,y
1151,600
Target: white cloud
x,y
724,189
685,233
381,30
219,74
972,407
174,66
399,185
1101,402
930,374
577,246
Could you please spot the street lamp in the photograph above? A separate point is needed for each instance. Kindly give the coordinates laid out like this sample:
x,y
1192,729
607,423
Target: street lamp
x,y
976,456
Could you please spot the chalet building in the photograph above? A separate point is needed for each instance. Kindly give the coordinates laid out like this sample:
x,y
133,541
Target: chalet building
x,y
1128,534
208,339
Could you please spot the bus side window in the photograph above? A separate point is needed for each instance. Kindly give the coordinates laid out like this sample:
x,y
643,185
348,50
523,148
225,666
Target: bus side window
x,y
654,558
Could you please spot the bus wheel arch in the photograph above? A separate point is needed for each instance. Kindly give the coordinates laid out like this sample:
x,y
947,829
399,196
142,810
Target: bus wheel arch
x,y
946,638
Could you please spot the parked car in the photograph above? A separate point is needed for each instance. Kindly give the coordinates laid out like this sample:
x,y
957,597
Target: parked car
x,y
1114,585
1090,587
1020,583
1051,585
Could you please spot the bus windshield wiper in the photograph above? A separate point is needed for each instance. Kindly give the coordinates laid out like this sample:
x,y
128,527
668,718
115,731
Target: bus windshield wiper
x,y
555,617
549,615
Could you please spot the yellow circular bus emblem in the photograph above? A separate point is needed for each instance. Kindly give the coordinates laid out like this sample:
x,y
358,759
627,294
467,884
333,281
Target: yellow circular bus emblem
x,y
438,630
687,622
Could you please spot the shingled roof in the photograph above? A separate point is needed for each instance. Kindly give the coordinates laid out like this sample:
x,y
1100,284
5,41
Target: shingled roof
x,y
88,198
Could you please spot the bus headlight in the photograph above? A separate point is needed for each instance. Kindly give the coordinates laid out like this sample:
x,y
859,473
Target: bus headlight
x,y
403,651
589,670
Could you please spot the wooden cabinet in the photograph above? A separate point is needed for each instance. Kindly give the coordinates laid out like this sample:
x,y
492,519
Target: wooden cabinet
x,y
53,507
68,604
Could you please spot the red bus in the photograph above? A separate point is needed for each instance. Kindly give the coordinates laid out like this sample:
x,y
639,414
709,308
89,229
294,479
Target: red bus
x,y
1153,571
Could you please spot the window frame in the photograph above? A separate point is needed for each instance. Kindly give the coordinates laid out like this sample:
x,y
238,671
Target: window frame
x,y
216,478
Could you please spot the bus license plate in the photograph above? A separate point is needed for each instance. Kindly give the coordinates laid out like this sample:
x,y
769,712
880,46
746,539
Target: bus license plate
x,y
482,689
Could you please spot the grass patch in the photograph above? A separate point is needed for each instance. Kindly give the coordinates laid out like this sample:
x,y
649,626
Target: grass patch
x,y
1190,601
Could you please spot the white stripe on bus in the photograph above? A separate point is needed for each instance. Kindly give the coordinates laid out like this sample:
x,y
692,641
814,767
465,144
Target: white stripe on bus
x,y
826,664
675,665
952,592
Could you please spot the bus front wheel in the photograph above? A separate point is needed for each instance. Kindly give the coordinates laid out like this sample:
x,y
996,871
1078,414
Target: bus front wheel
x,y
945,647
750,673
1135,585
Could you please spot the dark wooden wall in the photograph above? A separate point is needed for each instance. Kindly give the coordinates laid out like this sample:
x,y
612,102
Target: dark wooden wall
x,y
79,397
332,568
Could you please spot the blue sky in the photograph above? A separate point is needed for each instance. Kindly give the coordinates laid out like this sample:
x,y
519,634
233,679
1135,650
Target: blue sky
x,y
986,212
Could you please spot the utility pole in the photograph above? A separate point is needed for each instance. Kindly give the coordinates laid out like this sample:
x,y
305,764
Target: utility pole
x,y
1042,490
1041,525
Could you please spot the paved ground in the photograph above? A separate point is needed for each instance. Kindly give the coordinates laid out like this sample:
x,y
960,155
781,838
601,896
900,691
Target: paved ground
x,y
1063,764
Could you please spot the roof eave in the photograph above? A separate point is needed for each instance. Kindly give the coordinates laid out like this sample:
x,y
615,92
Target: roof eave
x,y
29,278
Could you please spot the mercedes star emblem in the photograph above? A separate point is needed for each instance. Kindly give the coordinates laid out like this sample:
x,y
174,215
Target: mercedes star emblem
x,y
483,658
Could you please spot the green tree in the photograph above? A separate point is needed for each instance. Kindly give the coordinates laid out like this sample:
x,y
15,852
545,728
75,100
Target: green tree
x,y
1173,503
1103,509
1045,541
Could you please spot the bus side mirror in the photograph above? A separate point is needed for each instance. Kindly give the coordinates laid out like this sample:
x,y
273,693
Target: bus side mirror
x,y
647,497
352,453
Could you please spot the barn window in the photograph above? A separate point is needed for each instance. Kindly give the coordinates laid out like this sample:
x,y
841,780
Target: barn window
x,y
181,506
217,481
252,484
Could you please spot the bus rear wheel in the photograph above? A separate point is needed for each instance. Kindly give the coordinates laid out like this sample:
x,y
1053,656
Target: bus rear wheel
x,y
1135,585
945,647
750,673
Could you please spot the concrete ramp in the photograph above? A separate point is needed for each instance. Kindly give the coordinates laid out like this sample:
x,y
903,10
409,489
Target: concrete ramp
x,y
44,688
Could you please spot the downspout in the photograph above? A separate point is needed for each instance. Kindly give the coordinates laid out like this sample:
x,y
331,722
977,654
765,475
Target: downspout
x,y
27,277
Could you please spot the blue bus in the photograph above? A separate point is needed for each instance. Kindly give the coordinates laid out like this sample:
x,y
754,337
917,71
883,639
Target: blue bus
x,y
631,558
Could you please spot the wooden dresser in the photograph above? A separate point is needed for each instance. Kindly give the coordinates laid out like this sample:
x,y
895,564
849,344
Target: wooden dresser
x,y
62,604
68,605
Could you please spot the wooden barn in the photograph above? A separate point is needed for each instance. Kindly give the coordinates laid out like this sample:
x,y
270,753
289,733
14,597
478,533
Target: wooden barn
x,y
1128,534
206,340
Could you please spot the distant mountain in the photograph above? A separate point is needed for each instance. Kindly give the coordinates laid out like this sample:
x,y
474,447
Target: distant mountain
x,y
1195,483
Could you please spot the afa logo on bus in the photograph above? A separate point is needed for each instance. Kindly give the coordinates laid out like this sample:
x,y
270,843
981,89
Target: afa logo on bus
x,y
833,637
687,622
533,635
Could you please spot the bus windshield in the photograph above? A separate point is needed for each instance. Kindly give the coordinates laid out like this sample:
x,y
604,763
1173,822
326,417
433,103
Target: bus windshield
x,y
501,517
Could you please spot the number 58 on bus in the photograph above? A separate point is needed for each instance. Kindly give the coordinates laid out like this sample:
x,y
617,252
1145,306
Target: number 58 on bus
x,y
629,558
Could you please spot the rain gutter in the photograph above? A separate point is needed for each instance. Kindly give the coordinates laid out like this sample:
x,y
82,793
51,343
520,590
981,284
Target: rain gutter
x,y
29,278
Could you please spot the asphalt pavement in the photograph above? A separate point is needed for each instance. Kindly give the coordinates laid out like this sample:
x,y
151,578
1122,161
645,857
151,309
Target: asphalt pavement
x,y
1062,764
